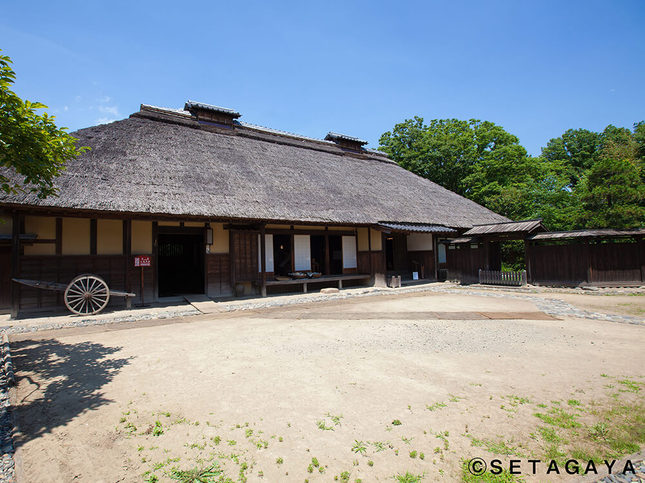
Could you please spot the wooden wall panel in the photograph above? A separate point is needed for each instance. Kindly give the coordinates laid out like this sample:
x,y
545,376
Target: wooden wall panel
x,y
218,275
463,262
245,252
580,262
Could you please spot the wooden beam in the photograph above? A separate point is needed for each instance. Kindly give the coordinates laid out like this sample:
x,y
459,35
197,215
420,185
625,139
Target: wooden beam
x,y
263,261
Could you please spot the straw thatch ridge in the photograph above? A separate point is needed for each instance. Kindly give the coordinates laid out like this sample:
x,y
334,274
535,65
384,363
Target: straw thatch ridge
x,y
166,163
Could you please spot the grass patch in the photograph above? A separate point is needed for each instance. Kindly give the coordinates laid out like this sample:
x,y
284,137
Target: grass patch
x,y
559,417
202,475
435,406
408,478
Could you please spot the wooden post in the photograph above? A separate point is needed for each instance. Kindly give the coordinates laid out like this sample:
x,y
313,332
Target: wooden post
x,y
263,260
155,261
527,261
127,252
327,262
231,254
369,251
59,236
436,258
15,264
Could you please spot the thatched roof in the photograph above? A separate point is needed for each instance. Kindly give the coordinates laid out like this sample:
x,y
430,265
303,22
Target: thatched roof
x,y
165,162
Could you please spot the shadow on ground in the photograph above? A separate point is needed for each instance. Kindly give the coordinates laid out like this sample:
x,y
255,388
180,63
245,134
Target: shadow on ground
x,y
58,382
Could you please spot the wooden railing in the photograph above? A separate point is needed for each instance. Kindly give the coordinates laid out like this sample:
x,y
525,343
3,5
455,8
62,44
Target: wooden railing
x,y
493,277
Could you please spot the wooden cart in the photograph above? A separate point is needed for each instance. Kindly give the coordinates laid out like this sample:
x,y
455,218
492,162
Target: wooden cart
x,y
86,294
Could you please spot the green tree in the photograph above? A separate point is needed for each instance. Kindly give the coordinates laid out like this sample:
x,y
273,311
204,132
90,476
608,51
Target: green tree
x,y
33,149
576,149
447,150
612,194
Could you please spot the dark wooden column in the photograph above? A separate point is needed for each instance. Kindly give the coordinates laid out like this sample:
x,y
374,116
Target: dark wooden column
x,y
641,257
15,264
527,261
59,236
263,261
155,262
231,256
327,263
369,251
127,253
435,249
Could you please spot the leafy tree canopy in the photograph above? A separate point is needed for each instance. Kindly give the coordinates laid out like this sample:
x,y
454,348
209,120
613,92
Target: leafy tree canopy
x,y
582,179
31,145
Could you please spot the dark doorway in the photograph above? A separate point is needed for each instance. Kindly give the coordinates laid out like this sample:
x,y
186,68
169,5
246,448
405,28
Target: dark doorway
x,y
317,253
396,253
181,263
5,279
282,255
335,254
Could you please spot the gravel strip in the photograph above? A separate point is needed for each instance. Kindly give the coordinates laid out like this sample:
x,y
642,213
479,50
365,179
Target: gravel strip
x,y
7,467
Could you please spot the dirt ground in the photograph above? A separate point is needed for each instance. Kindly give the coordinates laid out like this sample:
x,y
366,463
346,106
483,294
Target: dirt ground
x,y
361,389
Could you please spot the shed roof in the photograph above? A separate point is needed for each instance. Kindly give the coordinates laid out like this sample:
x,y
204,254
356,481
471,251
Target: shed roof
x,y
525,226
416,227
164,162
593,233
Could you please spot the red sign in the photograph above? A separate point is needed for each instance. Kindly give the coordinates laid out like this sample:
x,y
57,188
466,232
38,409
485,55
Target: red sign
x,y
141,261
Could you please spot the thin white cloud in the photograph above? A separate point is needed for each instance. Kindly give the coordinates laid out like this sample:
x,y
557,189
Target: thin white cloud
x,y
104,120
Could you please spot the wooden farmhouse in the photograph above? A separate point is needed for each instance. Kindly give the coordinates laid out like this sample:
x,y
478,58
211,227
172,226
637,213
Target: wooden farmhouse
x,y
225,208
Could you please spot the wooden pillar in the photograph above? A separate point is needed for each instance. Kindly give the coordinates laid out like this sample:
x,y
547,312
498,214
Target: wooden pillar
x,y
155,262
15,264
231,256
59,236
527,261
487,255
369,251
641,257
127,252
263,261
436,257
327,262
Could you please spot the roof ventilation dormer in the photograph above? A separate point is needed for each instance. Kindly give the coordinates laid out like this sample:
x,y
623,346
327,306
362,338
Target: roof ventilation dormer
x,y
210,113
346,142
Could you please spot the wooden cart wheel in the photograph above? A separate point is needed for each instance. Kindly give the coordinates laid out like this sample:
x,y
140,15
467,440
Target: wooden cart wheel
x,y
87,294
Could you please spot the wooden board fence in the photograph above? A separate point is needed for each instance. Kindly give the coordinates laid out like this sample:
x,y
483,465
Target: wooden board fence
x,y
494,277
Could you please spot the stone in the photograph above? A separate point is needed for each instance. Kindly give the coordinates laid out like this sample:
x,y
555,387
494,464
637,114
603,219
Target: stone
x,y
329,290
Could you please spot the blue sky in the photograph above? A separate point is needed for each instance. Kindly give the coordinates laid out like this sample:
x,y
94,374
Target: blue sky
x,y
536,68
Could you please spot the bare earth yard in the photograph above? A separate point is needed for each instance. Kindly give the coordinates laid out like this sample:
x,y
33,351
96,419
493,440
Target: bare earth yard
x,y
358,389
